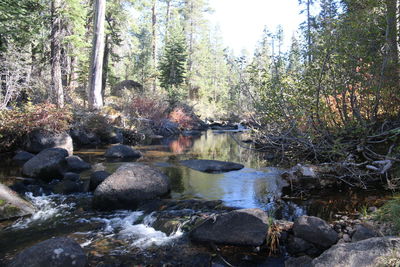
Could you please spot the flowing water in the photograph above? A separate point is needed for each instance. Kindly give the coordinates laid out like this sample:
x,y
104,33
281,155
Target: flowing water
x,y
128,237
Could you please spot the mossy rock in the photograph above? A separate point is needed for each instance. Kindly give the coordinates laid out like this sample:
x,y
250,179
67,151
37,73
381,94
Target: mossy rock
x,y
12,205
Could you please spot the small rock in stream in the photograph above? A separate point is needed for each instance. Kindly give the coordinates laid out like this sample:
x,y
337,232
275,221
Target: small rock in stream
x,y
55,252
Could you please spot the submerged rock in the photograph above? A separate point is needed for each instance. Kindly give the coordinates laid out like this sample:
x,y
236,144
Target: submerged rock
x,y
12,205
122,152
40,140
76,164
315,230
367,253
55,252
129,185
246,227
47,165
22,156
212,166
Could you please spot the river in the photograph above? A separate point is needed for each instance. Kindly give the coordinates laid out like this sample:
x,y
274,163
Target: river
x,y
128,238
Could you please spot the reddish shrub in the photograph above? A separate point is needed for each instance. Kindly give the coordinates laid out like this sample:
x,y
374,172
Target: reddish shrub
x,y
144,107
18,122
181,117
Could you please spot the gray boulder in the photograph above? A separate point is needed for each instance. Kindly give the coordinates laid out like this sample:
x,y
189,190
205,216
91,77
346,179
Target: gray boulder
x,y
22,156
40,140
315,230
82,137
131,184
122,152
112,136
55,252
47,165
76,164
97,178
211,166
362,232
303,261
67,186
12,205
366,253
130,85
296,246
166,128
246,227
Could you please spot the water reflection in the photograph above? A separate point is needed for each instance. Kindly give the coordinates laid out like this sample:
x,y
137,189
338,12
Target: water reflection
x,y
182,144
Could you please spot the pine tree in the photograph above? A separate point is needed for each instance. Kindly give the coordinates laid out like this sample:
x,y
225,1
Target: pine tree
x,y
173,64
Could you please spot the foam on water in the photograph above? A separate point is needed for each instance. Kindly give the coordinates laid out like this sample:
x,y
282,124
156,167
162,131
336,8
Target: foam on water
x,y
48,207
123,225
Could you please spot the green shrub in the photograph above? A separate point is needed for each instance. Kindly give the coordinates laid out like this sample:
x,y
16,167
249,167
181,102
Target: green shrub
x,y
390,212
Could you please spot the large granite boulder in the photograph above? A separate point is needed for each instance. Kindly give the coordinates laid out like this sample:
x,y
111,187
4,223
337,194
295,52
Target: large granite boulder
x,y
315,230
55,252
211,166
129,185
47,165
122,152
366,253
12,205
246,227
40,140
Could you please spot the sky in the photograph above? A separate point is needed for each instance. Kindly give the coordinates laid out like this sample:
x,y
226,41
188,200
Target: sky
x,y
242,22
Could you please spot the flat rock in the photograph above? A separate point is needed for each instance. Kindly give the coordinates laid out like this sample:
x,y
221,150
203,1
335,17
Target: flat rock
x,y
129,185
211,166
366,253
315,230
55,252
12,205
122,152
246,227
47,165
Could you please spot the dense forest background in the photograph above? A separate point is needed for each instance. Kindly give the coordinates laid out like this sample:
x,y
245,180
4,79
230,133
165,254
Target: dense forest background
x,y
336,89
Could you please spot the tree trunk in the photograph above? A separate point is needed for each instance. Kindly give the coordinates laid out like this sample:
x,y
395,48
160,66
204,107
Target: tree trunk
x,y
96,64
154,41
57,93
105,65
309,57
167,15
391,41
73,75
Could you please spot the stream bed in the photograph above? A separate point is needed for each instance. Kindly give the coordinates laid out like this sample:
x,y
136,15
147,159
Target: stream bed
x,y
127,238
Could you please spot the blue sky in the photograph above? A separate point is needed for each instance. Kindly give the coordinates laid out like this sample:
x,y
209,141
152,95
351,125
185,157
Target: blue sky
x,y
242,21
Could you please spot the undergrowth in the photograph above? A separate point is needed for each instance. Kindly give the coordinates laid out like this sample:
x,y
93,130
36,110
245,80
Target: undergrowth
x,y
390,212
